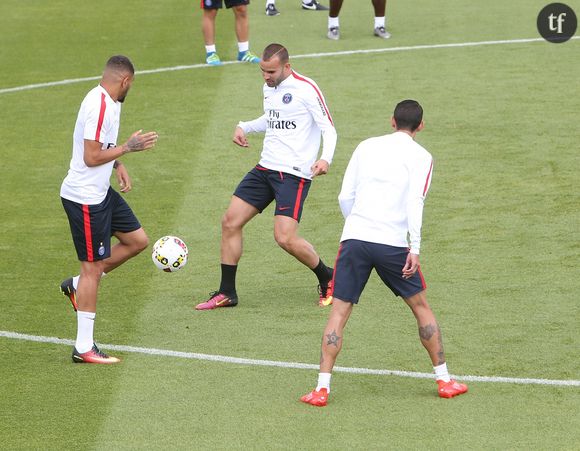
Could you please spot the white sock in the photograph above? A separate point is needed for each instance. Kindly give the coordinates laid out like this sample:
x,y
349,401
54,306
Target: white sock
x,y
332,22
85,326
210,48
324,381
243,46
441,373
270,2
379,22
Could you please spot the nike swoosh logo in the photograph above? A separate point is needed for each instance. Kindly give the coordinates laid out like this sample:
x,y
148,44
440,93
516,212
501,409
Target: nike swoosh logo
x,y
283,208
223,301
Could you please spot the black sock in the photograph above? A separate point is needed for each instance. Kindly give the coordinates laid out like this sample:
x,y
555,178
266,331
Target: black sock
x,y
228,283
323,272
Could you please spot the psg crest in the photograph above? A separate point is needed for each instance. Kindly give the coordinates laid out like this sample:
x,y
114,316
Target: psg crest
x,y
287,98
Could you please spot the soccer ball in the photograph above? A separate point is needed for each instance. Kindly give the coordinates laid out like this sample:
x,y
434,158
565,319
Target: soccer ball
x,y
169,253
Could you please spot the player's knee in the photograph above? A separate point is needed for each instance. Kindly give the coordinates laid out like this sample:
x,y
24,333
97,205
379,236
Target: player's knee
x,y
241,11
230,223
284,240
142,242
92,270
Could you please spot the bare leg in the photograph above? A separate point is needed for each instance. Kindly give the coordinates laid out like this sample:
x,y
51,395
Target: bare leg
x,y
235,218
242,23
380,7
332,337
88,287
429,331
335,6
129,245
208,25
286,235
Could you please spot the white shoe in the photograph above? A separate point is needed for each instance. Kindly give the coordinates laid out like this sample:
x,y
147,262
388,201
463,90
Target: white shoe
x,y
314,6
333,33
382,33
271,10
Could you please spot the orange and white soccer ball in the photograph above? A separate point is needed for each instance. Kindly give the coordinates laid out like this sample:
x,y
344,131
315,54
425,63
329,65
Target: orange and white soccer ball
x,y
169,253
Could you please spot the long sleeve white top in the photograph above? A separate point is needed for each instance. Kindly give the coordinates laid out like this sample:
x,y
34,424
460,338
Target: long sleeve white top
x,y
383,191
295,117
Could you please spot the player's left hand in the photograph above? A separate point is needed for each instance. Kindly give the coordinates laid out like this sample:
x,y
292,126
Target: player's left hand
x,y
411,265
319,168
123,178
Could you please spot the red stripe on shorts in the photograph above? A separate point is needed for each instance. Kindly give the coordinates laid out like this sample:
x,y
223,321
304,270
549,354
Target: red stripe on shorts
x,y
88,234
336,263
423,284
298,199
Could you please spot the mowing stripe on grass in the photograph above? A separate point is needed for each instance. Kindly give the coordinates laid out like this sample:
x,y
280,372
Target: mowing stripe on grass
x,y
309,55
293,365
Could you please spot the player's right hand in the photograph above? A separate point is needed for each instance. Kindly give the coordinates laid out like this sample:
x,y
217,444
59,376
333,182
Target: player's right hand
x,y
240,137
141,141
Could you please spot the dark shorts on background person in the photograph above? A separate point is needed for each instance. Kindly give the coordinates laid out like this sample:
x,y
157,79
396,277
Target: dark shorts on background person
x,y
218,4
355,261
261,186
93,225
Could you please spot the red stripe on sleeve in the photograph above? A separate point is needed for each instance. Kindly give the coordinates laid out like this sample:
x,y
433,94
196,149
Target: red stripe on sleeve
x,y
427,180
298,199
298,77
101,117
88,234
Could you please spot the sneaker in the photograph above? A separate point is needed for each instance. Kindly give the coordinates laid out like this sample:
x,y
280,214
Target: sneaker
x,y
325,293
213,59
93,356
314,6
333,33
216,300
67,288
382,33
248,57
451,388
271,10
316,398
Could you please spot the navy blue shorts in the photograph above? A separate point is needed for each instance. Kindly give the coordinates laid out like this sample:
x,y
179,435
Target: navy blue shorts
x,y
217,4
92,226
261,186
355,261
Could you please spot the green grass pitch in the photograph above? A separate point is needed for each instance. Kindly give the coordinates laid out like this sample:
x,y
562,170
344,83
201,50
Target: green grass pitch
x,y
501,235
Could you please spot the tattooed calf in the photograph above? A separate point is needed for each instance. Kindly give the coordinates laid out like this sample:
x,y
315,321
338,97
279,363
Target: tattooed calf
x,y
333,339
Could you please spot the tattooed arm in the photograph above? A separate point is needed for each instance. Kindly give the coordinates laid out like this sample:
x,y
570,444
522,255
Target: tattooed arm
x,y
94,155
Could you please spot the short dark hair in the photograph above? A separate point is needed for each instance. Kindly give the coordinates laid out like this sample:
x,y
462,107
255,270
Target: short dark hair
x,y
120,63
278,50
408,115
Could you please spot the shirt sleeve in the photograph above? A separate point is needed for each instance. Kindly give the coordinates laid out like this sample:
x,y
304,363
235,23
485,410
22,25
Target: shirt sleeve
x,y
97,122
420,181
319,110
348,191
255,126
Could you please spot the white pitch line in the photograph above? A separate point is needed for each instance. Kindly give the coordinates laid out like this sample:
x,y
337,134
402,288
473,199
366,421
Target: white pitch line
x,y
309,55
293,365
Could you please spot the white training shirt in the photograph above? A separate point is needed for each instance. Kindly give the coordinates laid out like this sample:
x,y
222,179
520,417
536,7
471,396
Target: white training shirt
x,y
98,120
295,116
383,190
